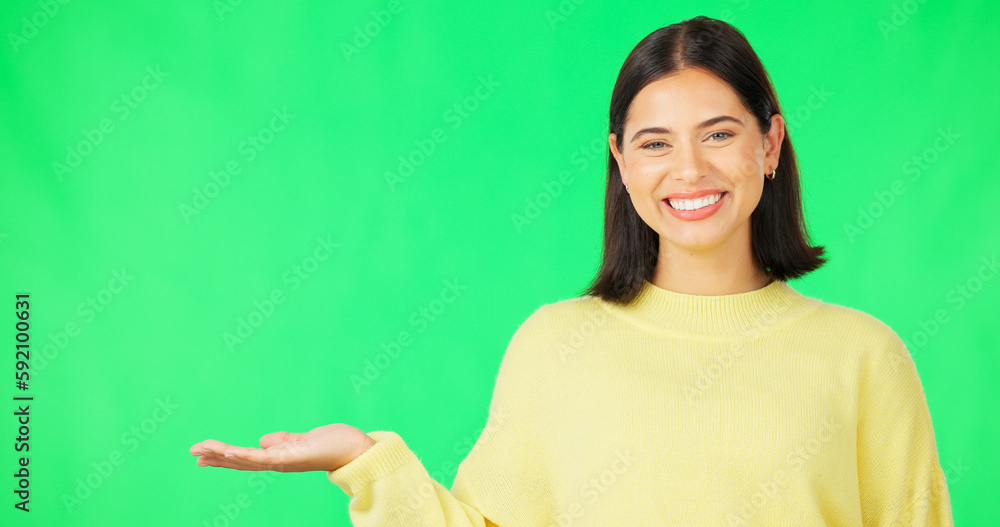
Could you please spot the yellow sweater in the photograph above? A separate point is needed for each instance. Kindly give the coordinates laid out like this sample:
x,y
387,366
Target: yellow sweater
x,y
766,408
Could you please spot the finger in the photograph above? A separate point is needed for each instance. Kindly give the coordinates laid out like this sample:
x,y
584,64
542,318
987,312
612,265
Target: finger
x,y
272,459
223,453
226,456
206,446
283,457
274,438
214,447
291,456
206,461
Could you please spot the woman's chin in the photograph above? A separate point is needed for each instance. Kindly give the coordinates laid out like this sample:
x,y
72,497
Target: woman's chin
x,y
694,238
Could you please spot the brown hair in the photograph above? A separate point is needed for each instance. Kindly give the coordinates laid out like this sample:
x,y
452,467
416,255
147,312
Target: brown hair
x,y
778,230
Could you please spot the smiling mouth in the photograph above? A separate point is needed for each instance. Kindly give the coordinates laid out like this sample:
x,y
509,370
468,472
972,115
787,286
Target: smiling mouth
x,y
694,204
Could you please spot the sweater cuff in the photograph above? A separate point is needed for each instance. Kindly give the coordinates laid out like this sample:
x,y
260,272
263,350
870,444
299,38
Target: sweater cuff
x,y
381,459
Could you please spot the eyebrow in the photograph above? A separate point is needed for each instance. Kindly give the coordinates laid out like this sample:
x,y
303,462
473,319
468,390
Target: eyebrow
x,y
706,124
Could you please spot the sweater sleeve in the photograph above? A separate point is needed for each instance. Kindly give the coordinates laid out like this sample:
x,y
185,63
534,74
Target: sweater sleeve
x,y
501,482
388,485
900,477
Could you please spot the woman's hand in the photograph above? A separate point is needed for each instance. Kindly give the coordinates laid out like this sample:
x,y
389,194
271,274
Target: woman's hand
x,y
325,448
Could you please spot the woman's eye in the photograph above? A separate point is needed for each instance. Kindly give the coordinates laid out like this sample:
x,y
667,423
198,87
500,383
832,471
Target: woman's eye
x,y
649,146
725,135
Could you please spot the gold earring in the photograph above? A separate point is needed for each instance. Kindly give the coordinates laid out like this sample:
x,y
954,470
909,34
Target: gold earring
x,y
772,173
626,188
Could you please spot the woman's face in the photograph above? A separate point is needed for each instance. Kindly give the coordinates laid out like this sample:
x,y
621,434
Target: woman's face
x,y
688,135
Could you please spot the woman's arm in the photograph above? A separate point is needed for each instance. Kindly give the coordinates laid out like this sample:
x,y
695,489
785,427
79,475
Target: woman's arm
x,y
900,477
387,483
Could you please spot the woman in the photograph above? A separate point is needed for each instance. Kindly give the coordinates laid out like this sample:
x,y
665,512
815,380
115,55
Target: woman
x,y
690,385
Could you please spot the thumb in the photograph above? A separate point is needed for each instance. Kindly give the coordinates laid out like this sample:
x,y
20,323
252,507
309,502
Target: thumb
x,y
274,438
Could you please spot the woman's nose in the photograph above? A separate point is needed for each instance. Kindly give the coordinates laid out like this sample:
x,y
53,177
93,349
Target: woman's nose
x,y
689,163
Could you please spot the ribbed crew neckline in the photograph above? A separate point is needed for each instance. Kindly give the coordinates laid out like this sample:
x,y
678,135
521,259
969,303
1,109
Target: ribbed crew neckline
x,y
752,312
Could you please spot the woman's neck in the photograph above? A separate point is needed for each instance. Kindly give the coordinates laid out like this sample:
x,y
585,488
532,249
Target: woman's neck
x,y
720,272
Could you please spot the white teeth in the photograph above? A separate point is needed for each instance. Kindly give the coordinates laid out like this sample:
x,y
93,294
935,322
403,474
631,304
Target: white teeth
x,y
695,204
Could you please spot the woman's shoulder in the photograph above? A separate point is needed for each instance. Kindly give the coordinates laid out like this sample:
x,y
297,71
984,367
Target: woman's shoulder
x,y
553,322
851,324
570,311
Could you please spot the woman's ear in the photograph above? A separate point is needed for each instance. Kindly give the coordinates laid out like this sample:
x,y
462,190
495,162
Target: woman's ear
x,y
618,156
773,140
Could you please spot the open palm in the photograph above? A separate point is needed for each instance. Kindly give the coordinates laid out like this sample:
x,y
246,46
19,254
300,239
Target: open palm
x,y
324,448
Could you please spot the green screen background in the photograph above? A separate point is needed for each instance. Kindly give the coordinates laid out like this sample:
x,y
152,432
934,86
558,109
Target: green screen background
x,y
142,257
